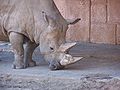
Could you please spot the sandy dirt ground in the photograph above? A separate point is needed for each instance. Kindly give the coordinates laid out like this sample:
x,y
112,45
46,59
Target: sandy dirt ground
x,y
98,70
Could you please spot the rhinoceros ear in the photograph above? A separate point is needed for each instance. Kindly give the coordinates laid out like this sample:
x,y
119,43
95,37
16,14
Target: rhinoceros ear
x,y
66,46
49,20
72,21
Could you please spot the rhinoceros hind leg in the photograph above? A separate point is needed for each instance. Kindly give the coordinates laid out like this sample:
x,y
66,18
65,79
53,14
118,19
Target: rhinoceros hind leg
x,y
16,41
28,51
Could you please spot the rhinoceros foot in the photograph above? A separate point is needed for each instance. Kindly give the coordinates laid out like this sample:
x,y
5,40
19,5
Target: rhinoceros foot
x,y
18,66
32,63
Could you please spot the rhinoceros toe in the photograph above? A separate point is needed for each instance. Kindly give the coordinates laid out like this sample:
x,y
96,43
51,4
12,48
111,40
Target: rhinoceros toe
x,y
18,67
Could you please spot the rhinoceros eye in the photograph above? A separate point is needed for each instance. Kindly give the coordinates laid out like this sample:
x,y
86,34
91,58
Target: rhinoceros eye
x,y
51,48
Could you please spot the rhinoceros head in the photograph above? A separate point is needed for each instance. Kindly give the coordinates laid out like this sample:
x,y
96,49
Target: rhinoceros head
x,y
53,44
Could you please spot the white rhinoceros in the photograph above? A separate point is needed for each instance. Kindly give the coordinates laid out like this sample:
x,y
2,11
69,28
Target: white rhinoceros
x,y
35,22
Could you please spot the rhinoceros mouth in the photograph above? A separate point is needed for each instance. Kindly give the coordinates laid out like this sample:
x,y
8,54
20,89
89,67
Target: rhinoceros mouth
x,y
56,66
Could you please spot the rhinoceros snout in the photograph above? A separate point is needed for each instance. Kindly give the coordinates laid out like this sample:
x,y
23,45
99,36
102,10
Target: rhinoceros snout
x,y
54,65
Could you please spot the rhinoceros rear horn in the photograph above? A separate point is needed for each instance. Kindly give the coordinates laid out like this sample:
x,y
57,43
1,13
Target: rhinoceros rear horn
x,y
68,59
66,46
72,21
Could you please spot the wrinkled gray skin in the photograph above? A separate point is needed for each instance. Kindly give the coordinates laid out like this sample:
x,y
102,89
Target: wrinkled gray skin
x,y
33,23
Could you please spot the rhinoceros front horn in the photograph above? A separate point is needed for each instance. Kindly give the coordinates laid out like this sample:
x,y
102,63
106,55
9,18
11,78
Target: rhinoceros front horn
x,y
67,59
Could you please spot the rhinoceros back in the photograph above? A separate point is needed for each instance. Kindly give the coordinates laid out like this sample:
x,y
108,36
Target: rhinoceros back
x,y
25,16
16,17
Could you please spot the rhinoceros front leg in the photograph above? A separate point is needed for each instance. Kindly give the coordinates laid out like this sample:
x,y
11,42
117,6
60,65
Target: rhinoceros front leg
x,y
16,41
28,51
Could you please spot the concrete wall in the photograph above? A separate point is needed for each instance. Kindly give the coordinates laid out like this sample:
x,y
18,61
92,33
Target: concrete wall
x,y
100,20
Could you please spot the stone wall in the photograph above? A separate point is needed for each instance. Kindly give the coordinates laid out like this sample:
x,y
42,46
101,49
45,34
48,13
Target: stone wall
x,y
100,20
